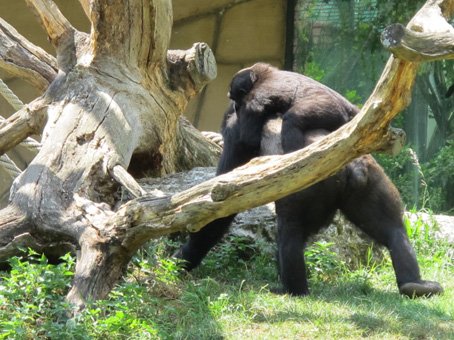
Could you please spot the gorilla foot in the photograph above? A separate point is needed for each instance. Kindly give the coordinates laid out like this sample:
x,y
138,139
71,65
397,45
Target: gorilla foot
x,y
420,289
283,291
184,266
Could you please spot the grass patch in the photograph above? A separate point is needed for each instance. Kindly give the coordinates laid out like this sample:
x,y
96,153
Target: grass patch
x,y
229,297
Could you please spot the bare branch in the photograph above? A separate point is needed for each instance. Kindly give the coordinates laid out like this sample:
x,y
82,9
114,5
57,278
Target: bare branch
x,y
52,20
393,142
194,149
86,7
266,179
96,270
160,22
24,123
122,176
22,59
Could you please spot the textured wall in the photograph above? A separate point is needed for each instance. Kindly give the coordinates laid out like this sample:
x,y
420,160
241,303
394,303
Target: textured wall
x,y
240,33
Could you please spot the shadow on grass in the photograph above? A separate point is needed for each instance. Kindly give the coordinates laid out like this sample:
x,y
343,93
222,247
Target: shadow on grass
x,y
371,311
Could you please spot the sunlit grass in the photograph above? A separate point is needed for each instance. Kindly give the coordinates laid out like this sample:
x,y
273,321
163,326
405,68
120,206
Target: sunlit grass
x,y
229,297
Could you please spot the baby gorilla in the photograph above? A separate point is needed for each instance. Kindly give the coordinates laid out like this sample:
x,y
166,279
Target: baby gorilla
x,y
275,112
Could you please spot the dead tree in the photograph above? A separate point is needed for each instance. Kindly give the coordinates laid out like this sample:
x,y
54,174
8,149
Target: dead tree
x,y
112,104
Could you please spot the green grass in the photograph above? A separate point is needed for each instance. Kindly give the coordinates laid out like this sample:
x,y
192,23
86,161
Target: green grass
x,y
229,297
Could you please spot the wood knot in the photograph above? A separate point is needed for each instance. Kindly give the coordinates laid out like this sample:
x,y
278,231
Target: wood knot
x,y
392,35
222,191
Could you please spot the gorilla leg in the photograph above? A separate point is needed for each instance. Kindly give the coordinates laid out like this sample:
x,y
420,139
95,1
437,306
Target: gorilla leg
x,y
200,243
292,267
372,203
299,216
235,153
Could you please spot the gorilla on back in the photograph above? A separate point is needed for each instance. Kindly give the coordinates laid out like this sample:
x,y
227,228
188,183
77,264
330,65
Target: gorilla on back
x,y
275,112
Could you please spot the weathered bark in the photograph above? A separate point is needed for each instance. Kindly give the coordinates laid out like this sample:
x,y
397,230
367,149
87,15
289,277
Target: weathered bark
x,y
25,122
112,98
116,104
420,41
22,59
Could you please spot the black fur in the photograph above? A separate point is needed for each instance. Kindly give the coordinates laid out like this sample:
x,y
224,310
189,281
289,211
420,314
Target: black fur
x,y
361,190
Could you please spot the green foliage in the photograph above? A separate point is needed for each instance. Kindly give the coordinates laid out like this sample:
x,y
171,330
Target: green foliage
x,y
423,186
353,97
31,296
439,174
433,252
229,296
323,263
313,70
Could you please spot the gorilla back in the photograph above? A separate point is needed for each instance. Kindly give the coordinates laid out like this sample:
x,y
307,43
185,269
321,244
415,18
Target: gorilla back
x,y
274,112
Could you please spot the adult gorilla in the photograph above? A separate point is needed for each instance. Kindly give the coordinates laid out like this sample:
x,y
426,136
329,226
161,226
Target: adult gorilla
x,y
298,110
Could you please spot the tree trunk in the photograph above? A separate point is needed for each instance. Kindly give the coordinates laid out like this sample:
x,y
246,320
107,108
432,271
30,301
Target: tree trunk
x,y
116,104
118,94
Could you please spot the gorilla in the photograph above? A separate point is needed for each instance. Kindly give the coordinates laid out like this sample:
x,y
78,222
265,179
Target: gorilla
x,y
275,112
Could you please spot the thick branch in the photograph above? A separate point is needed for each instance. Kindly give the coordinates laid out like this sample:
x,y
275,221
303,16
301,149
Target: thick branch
x,y
52,20
415,46
24,123
97,270
393,142
269,178
143,43
14,228
194,149
191,69
22,59
161,20
429,36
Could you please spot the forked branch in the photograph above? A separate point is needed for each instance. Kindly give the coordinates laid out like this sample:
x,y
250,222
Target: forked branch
x,y
150,32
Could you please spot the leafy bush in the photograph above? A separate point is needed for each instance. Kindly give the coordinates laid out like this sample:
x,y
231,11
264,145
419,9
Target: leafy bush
x,y
31,296
322,263
440,179
428,185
